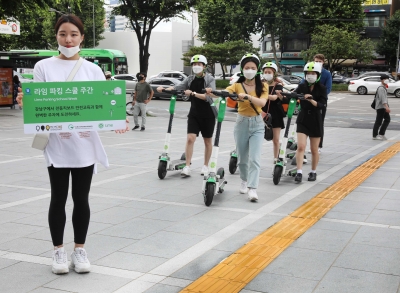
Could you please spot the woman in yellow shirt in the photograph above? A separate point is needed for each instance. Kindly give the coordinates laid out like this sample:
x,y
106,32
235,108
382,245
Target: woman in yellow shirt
x,y
249,128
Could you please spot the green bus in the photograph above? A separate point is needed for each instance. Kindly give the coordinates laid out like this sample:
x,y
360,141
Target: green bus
x,y
108,60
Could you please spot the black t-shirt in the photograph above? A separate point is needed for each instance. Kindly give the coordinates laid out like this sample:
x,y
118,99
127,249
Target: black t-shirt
x,y
199,108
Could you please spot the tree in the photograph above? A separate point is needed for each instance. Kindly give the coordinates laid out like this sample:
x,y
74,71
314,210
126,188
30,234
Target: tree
x,y
390,38
16,7
278,18
228,53
145,15
338,45
339,13
228,20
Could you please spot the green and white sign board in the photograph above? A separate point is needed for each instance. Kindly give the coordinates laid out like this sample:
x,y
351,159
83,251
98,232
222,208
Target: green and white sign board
x,y
74,106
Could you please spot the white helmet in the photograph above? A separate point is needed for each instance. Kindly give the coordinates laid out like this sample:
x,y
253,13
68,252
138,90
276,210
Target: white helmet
x,y
198,58
251,56
270,65
313,66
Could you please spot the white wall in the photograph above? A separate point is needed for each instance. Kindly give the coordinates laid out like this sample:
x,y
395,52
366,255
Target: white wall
x,y
180,32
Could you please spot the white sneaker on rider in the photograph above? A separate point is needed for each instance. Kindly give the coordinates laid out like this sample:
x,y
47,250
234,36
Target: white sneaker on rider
x,y
252,194
319,150
79,261
204,170
60,261
243,187
185,171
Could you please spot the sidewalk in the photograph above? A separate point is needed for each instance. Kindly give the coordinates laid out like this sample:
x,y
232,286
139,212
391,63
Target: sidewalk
x,y
152,235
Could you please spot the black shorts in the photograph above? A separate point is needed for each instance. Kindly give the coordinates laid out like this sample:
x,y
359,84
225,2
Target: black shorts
x,y
278,122
203,125
307,131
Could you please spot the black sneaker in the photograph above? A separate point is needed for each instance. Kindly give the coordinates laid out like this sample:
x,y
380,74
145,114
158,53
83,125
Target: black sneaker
x,y
312,176
136,127
298,178
142,129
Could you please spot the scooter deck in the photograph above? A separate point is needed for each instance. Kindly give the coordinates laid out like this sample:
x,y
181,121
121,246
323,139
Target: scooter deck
x,y
177,165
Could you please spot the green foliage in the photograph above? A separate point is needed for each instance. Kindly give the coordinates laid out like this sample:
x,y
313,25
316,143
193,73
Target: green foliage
x,y
339,45
222,21
390,38
146,15
345,14
340,87
221,83
228,53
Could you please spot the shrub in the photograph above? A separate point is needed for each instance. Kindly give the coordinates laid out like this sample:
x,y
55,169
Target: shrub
x,y
340,87
221,83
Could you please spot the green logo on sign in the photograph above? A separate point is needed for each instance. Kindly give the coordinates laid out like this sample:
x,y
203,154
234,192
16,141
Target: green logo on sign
x,y
101,125
212,165
70,126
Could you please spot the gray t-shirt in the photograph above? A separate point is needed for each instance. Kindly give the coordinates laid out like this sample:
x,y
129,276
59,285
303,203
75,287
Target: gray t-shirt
x,y
142,91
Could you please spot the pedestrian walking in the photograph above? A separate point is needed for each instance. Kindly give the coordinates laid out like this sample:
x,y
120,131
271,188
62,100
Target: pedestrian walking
x,y
17,84
201,117
274,104
249,127
143,95
309,120
382,110
74,154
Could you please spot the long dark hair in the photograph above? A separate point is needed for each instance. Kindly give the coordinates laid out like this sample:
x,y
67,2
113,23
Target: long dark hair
x,y
259,83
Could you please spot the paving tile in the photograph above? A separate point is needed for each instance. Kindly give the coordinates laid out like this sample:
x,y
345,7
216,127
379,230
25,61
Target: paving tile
x,y
357,281
173,213
384,217
302,263
26,246
4,262
378,237
326,224
201,265
200,226
360,195
163,244
132,262
11,231
370,258
47,290
324,240
7,216
346,216
116,215
84,283
162,288
236,241
274,283
389,205
143,205
354,207
24,277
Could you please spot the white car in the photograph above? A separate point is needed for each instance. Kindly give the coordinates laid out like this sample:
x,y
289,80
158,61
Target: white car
x,y
369,85
286,84
130,81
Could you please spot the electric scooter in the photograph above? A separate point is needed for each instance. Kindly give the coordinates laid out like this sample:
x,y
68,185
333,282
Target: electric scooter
x,y
165,163
214,182
281,164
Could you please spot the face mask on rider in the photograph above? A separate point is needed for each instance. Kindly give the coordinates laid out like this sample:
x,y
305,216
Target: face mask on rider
x,y
197,69
311,78
268,77
68,52
386,81
249,74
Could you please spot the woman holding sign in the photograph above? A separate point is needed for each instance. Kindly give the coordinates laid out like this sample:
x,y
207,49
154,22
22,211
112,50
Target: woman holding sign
x,y
70,153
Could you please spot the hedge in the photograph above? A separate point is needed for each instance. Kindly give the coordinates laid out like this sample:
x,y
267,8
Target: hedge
x,y
221,83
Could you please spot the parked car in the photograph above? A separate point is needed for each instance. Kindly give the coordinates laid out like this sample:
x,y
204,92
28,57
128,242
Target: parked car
x,y
340,79
21,78
369,85
219,76
372,73
170,74
234,78
130,81
165,83
294,79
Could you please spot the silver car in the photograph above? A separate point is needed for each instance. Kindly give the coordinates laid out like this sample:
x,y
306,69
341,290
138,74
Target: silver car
x,y
130,81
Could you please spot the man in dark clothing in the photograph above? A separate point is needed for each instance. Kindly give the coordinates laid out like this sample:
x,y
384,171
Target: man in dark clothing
x,y
382,110
201,117
143,95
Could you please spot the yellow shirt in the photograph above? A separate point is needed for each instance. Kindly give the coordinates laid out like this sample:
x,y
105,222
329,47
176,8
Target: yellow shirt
x,y
244,108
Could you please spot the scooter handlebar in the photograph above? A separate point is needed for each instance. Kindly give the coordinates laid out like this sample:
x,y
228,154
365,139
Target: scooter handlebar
x,y
224,94
172,92
293,95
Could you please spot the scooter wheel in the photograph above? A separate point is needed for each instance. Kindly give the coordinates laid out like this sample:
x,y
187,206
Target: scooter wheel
x,y
289,144
277,174
221,173
232,165
294,163
209,194
183,157
293,147
162,169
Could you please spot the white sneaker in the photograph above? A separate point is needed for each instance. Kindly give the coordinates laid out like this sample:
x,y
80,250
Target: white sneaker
x,y
275,160
383,137
185,171
378,137
243,187
252,194
309,151
204,170
319,150
60,261
79,261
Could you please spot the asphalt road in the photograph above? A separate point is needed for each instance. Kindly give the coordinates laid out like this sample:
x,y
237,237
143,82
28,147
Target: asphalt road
x,y
344,110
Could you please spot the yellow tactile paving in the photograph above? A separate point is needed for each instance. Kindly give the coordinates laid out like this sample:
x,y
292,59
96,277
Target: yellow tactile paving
x,y
237,270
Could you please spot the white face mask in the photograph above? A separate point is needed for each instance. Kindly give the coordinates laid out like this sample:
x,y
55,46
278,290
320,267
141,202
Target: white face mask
x,y
386,81
268,76
311,78
197,69
68,52
249,74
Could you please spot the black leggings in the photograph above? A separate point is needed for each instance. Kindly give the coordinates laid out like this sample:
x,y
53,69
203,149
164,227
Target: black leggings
x,y
381,115
59,182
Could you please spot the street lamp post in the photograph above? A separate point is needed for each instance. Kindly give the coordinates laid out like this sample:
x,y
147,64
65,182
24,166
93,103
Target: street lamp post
x,y
397,58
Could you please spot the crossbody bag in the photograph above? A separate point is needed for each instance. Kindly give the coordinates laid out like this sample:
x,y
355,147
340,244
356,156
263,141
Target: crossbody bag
x,y
40,140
